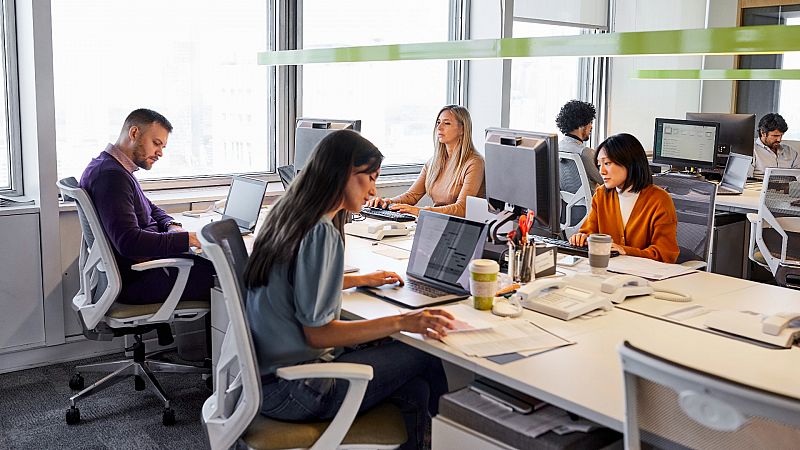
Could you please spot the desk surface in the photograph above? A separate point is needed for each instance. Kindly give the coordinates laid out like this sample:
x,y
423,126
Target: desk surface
x,y
586,378
746,202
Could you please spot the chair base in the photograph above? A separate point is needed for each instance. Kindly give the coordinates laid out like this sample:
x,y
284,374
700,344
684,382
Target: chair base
x,y
140,368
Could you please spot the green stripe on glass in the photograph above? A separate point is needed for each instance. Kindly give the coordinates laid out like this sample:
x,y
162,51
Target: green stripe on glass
x,y
719,74
712,41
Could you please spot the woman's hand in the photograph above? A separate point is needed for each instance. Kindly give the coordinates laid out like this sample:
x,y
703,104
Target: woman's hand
x,y
618,248
579,239
431,322
406,209
379,202
378,278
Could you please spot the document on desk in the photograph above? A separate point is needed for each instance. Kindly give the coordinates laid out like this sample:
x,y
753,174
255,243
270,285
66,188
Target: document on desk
x,y
645,267
507,336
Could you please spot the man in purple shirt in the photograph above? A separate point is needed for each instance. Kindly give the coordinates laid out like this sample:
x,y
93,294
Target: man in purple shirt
x,y
137,229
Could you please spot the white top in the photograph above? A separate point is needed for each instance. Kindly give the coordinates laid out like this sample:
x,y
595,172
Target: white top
x,y
763,157
626,201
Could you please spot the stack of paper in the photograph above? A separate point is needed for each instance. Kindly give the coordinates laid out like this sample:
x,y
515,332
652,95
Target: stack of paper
x,y
647,268
477,335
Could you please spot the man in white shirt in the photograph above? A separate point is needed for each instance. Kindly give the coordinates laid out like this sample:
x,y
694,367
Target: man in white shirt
x,y
768,151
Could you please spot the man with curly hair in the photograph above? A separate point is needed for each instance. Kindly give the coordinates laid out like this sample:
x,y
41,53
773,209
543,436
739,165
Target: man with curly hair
x,y
768,151
575,120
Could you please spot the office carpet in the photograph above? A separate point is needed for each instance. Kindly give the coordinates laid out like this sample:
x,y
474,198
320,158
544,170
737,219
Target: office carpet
x,y
33,404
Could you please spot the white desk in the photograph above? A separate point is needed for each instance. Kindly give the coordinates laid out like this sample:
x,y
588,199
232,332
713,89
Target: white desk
x,y
586,378
745,203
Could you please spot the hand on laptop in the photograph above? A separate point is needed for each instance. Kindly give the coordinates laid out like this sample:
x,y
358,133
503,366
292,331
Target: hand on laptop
x,y
377,279
431,322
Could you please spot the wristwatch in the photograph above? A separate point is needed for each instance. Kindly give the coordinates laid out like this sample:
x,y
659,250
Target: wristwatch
x,y
172,222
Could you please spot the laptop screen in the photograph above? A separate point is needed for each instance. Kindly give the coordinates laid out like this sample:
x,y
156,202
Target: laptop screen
x,y
736,170
443,247
244,201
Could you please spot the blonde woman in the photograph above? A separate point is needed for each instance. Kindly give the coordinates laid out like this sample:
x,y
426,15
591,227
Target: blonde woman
x,y
454,172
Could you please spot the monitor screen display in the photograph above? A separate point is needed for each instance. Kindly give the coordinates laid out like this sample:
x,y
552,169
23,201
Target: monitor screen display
x,y
686,143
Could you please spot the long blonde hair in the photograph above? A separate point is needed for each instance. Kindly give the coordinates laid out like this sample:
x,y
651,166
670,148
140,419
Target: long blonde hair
x,y
465,149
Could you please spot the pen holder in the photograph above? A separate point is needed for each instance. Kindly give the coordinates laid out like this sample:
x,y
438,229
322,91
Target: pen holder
x,y
523,264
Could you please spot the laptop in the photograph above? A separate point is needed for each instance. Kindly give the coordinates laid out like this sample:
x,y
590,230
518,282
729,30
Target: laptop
x,y
735,176
437,270
244,202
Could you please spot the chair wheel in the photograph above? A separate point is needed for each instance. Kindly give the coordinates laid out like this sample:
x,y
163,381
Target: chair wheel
x,y
138,383
73,416
76,382
168,417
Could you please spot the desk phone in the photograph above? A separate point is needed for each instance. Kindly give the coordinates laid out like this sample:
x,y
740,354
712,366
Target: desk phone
x,y
556,298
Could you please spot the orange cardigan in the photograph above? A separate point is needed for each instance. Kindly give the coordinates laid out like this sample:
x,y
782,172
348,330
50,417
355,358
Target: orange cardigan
x,y
652,228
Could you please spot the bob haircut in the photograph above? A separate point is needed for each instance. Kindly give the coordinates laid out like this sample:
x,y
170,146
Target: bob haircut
x,y
625,150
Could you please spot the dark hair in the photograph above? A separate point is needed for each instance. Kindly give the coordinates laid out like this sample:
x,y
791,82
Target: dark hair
x,y
770,122
317,190
625,150
144,117
575,114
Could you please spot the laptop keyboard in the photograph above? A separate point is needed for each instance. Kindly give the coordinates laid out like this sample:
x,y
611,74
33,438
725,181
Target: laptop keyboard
x,y
425,289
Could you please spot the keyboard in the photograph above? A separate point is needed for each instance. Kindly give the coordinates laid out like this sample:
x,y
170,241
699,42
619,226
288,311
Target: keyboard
x,y
566,247
385,214
425,289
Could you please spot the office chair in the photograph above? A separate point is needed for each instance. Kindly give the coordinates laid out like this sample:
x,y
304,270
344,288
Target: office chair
x,y
103,319
286,173
672,406
694,204
775,230
232,411
576,192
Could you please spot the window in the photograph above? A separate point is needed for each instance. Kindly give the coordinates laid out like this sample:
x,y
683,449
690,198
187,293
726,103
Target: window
x,y
192,60
397,102
790,92
10,155
541,86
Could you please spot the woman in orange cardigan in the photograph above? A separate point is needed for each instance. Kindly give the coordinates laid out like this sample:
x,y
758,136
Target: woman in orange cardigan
x,y
639,216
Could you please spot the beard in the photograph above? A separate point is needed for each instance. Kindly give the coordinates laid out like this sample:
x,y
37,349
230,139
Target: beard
x,y
140,158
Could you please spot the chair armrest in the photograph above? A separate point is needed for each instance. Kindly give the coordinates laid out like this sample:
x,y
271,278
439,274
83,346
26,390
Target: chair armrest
x,y
184,265
358,376
165,262
348,371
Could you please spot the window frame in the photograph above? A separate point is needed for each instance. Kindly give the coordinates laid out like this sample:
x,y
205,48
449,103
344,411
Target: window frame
x,y
16,185
458,29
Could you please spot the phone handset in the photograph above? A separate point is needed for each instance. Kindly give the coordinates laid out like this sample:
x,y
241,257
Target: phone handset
x,y
620,287
779,323
374,227
539,287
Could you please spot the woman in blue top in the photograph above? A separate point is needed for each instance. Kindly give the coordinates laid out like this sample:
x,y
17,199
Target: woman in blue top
x,y
294,281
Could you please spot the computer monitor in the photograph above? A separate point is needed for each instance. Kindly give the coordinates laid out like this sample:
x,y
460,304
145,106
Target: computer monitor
x,y
522,172
686,143
309,132
736,131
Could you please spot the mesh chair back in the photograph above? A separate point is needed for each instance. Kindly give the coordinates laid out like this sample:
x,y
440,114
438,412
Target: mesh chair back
x,y
98,269
237,383
778,229
694,204
576,192
669,404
